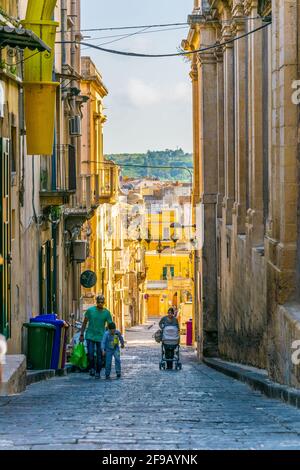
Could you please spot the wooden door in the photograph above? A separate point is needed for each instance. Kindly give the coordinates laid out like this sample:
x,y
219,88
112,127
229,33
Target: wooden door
x,y
153,306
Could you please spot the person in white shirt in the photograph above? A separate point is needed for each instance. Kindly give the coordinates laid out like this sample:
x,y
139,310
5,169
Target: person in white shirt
x,y
3,350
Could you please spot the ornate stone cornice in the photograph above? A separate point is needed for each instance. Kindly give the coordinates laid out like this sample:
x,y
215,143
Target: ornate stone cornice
x,y
250,5
207,57
219,54
194,70
238,25
227,34
264,7
238,8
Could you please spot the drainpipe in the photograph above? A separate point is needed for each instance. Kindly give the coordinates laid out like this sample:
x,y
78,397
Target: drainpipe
x,y
73,33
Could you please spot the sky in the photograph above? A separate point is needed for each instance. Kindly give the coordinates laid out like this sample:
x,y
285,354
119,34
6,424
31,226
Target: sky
x,y
149,106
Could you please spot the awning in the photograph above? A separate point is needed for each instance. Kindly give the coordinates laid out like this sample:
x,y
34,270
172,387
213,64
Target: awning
x,y
22,38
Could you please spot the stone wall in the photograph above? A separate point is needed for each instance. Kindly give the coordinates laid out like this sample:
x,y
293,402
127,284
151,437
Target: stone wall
x,y
242,306
246,131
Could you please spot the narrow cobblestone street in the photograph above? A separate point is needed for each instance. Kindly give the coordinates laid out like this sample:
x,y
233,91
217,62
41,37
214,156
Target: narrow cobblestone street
x,y
196,408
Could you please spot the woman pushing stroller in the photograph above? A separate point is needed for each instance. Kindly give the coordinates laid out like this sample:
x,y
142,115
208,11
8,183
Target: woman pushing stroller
x,y
170,339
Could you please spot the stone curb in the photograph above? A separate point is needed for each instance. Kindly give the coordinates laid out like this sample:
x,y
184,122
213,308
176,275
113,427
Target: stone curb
x,y
39,375
256,380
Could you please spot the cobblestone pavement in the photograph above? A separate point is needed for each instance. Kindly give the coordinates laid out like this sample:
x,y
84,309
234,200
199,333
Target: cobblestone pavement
x,y
196,408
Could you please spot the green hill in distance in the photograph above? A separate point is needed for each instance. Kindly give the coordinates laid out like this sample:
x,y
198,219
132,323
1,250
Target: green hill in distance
x,y
158,158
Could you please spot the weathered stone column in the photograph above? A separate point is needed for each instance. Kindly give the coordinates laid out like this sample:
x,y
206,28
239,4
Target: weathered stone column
x,y
196,201
238,29
255,125
196,124
282,233
208,134
220,130
228,125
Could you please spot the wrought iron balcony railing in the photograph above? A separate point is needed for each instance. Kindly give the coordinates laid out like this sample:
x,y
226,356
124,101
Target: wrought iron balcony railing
x,y
58,176
99,188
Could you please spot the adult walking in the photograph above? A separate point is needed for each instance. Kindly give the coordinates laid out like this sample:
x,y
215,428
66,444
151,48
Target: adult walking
x,y
96,318
169,320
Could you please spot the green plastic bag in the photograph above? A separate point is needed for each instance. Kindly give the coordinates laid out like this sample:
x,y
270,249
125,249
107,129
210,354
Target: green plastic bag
x,y
79,357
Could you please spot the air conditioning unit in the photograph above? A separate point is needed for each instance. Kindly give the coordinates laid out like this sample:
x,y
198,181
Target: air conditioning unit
x,y
75,126
79,251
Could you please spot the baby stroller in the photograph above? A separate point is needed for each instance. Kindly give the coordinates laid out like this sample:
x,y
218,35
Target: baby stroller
x,y
170,348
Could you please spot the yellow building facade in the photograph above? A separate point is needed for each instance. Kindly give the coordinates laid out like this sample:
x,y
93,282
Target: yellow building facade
x,y
169,266
116,260
169,281
99,182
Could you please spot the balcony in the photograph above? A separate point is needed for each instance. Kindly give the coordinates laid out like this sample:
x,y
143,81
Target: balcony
x,y
98,188
119,270
93,190
58,177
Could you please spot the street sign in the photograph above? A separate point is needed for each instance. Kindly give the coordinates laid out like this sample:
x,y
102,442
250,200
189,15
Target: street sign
x,y
88,279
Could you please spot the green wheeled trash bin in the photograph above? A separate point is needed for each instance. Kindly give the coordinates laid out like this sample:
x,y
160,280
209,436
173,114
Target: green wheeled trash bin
x,y
39,345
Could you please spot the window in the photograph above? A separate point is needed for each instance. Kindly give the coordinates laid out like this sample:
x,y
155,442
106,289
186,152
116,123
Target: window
x,y
168,272
166,234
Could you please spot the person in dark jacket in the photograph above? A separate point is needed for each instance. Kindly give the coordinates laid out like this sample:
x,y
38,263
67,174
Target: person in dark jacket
x,y
169,320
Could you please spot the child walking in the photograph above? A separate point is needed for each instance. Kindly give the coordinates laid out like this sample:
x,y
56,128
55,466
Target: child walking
x,y
110,348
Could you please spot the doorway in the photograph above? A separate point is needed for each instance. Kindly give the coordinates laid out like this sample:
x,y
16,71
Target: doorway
x,y
153,306
5,239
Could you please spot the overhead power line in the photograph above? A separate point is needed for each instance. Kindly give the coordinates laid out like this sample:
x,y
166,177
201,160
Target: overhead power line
x,y
130,27
118,28
139,32
183,53
122,37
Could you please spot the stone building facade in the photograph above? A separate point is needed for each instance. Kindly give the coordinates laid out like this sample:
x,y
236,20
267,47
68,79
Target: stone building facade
x,y
247,179
48,197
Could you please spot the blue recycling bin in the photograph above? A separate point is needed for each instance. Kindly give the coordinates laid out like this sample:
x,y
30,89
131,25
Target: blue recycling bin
x,y
59,324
